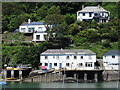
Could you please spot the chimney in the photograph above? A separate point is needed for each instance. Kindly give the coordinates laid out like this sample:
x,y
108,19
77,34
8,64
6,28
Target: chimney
x,y
29,21
98,5
82,6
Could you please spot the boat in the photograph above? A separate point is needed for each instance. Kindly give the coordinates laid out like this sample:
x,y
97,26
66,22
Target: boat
x,y
11,78
3,83
45,71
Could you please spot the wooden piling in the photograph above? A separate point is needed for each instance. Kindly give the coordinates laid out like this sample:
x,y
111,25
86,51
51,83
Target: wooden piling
x,y
96,77
85,77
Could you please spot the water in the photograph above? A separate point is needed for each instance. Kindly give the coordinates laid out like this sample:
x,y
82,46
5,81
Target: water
x,y
111,84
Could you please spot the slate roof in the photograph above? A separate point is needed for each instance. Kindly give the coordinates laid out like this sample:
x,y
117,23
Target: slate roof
x,y
93,9
112,52
68,51
32,23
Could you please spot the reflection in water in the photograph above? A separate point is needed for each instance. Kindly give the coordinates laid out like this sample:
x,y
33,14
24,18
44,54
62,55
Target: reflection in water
x,y
111,84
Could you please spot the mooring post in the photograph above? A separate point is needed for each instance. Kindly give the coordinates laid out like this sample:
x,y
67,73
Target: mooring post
x,y
12,73
45,78
75,76
96,77
20,74
85,77
5,74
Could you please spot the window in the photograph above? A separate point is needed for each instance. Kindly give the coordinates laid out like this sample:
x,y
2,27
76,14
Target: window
x,y
81,57
40,29
46,57
75,57
37,37
67,64
55,64
80,64
95,14
83,14
46,64
31,29
113,56
102,14
88,64
40,64
22,29
67,57
90,14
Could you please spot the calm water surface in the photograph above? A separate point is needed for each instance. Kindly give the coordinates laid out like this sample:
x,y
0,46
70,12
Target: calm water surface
x,y
111,84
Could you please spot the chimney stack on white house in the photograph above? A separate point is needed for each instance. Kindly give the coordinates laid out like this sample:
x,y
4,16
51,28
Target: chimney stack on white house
x,y
82,6
98,5
29,21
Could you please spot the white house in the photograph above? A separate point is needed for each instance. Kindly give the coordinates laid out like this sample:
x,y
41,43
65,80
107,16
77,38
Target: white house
x,y
111,60
95,13
37,29
81,59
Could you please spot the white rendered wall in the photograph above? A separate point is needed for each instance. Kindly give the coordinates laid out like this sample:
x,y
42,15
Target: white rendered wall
x,y
42,38
34,26
73,62
110,60
81,17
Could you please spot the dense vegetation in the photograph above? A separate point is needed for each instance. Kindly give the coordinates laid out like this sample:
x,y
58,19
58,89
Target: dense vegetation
x,y
98,37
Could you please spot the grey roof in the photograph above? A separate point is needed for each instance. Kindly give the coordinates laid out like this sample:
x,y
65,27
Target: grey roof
x,y
68,51
112,52
32,23
93,9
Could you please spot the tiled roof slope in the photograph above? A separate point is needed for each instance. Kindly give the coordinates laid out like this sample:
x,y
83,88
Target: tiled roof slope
x,y
112,52
68,51
32,23
93,9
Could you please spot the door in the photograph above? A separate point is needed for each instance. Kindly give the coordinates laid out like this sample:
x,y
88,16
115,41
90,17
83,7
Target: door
x,y
50,65
60,65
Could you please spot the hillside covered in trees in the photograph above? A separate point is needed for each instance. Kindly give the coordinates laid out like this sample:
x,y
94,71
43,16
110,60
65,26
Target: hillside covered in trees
x,y
70,33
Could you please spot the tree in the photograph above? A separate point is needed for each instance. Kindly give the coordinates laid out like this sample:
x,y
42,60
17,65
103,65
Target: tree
x,y
73,29
42,12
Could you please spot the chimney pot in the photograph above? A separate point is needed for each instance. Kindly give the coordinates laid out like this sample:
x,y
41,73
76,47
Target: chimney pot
x,y
82,6
29,21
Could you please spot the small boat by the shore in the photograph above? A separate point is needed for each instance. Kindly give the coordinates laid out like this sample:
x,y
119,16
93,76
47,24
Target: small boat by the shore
x,y
45,71
11,78
40,72
3,83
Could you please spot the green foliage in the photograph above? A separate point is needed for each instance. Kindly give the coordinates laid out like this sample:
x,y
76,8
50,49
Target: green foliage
x,y
14,37
64,30
23,54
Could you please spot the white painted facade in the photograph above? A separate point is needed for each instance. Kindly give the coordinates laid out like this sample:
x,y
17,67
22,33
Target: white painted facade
x,y
38,30
92,12
111,61
70,60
